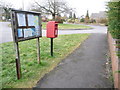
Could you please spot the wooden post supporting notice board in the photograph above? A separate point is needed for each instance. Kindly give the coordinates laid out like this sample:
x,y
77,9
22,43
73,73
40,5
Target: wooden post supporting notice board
x,y
26,25
18,66
38,50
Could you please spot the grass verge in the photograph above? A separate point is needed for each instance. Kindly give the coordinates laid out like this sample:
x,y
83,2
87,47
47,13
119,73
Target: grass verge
x,y
66,26
31,70
69,26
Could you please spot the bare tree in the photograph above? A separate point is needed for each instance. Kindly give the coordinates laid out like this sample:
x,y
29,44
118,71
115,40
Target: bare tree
x,y
53,7
6,8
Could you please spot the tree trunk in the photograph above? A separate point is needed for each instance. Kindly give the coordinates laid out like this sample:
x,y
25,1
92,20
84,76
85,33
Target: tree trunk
x,y
53,16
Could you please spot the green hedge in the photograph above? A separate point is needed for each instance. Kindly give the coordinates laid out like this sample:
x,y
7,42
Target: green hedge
x,y
114,19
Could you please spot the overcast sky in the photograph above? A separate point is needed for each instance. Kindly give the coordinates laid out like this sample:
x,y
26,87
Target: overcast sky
x,y
94,6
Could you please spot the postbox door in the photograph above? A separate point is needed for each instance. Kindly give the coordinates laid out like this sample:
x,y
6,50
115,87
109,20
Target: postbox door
x,y
52,29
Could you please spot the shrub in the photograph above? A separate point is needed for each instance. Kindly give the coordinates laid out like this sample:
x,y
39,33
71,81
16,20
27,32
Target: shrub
x,y
82,20
59,19
44,19
92,21
77,21
114,19
70,21
103,20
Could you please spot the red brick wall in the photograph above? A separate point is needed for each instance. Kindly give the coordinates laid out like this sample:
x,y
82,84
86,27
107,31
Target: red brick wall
x,y
115,61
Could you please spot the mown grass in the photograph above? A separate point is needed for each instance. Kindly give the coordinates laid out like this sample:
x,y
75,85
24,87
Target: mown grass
x,y
68,26
31,70
65,26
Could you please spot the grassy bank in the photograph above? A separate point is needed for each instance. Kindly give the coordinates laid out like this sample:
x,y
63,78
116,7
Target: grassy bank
x,y
68,26
31,70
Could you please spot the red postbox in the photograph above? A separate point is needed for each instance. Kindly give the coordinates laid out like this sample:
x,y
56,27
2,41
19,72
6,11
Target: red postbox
x,y
52,29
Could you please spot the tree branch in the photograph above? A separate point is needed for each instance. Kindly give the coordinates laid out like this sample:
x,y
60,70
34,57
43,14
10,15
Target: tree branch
x,y
43,7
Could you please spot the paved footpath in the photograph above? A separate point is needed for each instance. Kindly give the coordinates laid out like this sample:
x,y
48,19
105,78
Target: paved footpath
x,y
84,68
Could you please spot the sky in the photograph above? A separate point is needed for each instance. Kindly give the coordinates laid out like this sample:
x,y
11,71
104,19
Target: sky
x,y
81,6
93,6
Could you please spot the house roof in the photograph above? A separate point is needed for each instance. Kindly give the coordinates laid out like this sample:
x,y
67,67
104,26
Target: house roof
x,y
101,14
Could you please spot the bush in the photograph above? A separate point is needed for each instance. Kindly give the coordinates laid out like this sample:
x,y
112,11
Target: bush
x,y
92,21
82,20
44,19
103,21
77,21
114,19
70,21
59,19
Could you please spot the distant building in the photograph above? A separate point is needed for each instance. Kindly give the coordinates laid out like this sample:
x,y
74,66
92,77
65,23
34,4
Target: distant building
x,y
98,16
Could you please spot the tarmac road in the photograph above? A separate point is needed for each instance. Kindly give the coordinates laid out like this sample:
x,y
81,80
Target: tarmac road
x,y
6,32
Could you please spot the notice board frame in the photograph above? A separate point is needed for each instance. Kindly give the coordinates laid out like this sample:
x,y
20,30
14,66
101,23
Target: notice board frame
x,y
15,27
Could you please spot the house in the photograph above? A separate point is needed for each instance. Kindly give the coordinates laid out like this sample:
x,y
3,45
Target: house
x,y
98,16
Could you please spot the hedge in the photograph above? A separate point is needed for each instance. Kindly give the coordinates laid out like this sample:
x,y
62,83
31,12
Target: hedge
x,y
114,19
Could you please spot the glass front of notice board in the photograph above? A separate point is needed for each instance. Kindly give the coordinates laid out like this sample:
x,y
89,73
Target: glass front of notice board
x,y
24,33
28,25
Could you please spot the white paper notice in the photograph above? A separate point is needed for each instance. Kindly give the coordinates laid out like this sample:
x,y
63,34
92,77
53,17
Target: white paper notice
x,y
36,23
27,33
33,20
30,20
21,19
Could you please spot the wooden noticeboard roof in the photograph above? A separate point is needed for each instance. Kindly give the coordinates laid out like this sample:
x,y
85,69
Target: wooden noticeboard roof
x,y
25,11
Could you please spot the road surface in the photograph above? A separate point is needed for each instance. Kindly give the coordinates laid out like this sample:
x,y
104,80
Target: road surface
x,y
6,31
